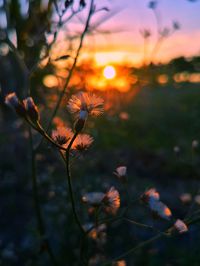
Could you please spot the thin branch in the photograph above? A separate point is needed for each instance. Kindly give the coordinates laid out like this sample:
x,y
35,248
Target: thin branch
x,y
70,72
70,185
41,225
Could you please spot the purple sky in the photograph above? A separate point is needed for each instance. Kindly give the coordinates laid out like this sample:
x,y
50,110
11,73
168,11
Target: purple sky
x,y
135,15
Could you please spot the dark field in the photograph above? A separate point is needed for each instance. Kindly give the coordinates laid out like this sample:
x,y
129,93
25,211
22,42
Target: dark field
x,y
159,118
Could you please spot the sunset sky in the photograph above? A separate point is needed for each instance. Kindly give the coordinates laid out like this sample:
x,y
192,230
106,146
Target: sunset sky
x,y
125,42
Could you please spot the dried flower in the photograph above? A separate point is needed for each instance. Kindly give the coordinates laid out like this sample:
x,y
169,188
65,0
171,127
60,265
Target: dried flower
x,y
160,209
119,263
82,3
180,226
96,233
186,198
93,198
195,144
146,33
152,199
149,195
112,201
176,25
68,3
89,103
197,199
120,171
152,4
82,142
124,116
12,100
61,135
176,149
31,109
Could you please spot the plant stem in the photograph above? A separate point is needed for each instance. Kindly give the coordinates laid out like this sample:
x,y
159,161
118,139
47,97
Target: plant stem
x,y
41,226
71,194
73,66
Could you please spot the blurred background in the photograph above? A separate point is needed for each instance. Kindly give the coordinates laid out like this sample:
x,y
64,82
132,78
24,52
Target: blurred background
x,y
143,58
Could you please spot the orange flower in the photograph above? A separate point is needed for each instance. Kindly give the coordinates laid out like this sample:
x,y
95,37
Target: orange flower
x,y
84,104
82,142
112,201
61,135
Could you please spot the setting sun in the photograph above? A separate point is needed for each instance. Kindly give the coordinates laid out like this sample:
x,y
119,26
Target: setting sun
x,y
109,72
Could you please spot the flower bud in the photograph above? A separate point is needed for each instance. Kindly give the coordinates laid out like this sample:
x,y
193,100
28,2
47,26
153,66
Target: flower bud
x,y
79,125
12,100
31,109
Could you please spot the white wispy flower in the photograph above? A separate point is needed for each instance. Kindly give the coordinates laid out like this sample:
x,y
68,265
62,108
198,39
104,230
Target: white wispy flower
x,y
152,198
112,201
120,171
150,194
12,100
160,209
84,104
93,198
61,135
96,233
195,144
180,226
82,142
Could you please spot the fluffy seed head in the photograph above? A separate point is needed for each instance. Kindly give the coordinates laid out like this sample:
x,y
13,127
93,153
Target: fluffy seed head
x,y
112,201
180,226
149,195
61,135
82,142
89,103
120,171
160,209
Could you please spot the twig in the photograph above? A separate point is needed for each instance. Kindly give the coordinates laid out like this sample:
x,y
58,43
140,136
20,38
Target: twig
x,y
70,185
41,226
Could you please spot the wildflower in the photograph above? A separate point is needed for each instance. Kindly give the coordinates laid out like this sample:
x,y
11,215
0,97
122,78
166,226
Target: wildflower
x,y
180,226
82,142
96,233
176,25
160,209
124,116
152,199
31,109
61,135
84,104
197,199
146,33
176,149
82,3
120,172
93,198
195,144
12,100
186,198
150,195
112,200
152,4
119,263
